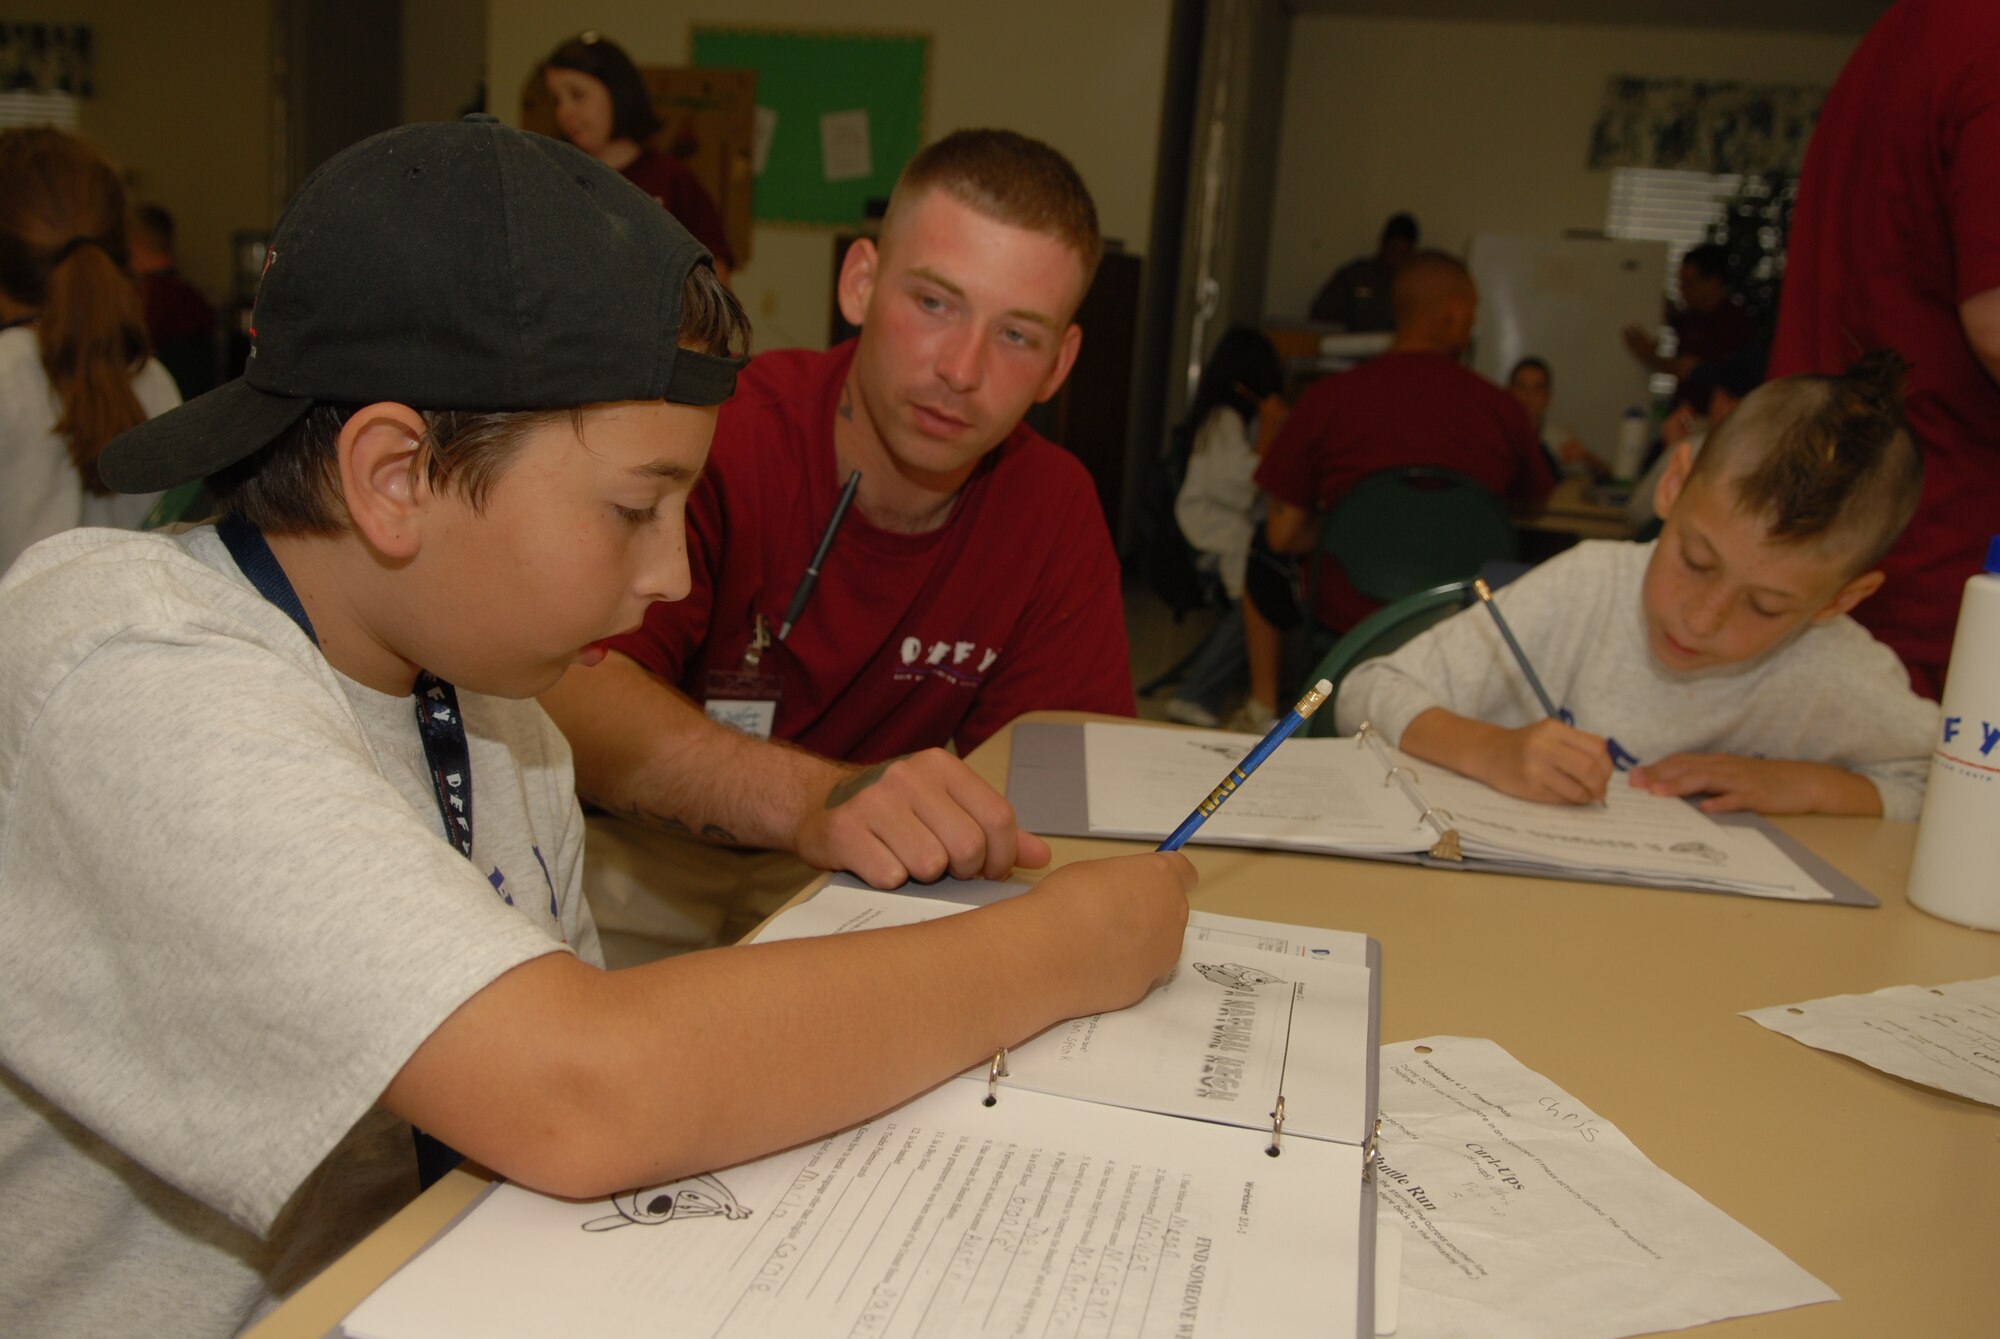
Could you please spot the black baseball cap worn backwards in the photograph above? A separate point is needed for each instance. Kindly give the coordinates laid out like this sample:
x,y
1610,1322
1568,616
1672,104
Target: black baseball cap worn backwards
x,y
447,265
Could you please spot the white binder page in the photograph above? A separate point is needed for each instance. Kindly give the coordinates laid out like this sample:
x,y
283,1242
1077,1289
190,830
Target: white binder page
x,y
1231,1028
1632,834
1221,1039
1038,1216
1311,795
1945,1036
1530,1215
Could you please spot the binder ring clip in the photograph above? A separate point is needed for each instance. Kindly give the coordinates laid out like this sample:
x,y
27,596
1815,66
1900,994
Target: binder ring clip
x,y
1389,777
1372,1154
1443,816
1277,1127
1361,735
994,1073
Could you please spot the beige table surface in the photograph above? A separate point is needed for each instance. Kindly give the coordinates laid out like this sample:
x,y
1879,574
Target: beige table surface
x,y
1627,997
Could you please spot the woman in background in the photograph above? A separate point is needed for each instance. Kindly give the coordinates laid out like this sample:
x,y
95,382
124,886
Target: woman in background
x,y
1236,410
603,108
75,365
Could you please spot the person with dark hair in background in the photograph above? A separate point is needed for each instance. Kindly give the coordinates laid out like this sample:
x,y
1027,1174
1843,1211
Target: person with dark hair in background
x,y
1533,386
1358,296
75,369
180,320
1708,324
1895,242
1235,411
603,107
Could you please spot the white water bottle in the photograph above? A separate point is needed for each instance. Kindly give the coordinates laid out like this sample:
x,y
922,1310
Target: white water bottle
x,y
1956,872
1633,430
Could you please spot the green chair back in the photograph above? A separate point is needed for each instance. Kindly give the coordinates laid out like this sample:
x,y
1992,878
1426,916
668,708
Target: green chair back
x,y
1379,634
1414,528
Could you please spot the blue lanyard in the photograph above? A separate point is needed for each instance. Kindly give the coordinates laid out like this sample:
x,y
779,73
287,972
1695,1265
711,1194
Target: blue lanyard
x,y
446,754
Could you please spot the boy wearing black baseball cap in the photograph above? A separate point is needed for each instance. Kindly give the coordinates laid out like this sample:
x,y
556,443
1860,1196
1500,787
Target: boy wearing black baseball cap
x,y
288,855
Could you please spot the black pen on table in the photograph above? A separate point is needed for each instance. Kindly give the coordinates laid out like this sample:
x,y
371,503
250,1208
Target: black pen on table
x,y
1279,733
1520,656
811,578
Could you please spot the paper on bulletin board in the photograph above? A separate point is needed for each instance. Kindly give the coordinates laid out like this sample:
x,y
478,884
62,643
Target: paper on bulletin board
x,y
843,145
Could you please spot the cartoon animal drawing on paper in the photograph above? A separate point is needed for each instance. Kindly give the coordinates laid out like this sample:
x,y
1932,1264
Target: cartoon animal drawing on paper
x,y
1235,977
695,1197
1701,850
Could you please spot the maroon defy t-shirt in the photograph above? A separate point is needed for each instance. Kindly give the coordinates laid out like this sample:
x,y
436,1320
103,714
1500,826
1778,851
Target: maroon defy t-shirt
x,y
909,641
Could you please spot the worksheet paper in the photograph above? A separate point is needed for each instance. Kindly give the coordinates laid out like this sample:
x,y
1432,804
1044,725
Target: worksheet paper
x,y
1040,1216
1312,794
1527,1214
1338,795
845,903
1944,1036
1231,1028
1632,835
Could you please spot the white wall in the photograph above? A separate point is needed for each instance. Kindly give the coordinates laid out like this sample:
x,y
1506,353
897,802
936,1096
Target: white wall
x,y
1474,127
1086,77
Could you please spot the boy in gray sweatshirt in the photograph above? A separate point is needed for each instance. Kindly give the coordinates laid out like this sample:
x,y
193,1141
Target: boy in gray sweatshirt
x,y
1718,660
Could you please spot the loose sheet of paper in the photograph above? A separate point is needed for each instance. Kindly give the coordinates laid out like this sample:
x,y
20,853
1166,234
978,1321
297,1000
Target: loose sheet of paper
x,y
1041,1216
1945,1036
1527,1214
1313,794
1232,1027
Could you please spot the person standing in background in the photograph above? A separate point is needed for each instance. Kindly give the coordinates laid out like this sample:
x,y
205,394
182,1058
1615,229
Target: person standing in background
x,y
179,319
603,107
1357,297
1896,242
75,365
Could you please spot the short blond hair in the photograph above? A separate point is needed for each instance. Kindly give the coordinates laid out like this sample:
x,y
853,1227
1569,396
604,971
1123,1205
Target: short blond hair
x,y
1827,459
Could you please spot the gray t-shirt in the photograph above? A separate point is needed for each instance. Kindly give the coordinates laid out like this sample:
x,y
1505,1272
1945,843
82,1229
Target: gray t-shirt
x,y
228,915
1831,694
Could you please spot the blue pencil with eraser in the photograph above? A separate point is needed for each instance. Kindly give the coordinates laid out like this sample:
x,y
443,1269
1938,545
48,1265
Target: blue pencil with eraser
x,y
1240,773
1520,656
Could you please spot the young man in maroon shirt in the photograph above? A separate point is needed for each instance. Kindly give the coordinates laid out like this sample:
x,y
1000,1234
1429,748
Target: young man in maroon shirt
x,y
972,579
1414,405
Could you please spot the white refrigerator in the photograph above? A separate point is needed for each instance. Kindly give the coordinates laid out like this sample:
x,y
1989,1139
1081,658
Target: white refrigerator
x,y
1566,300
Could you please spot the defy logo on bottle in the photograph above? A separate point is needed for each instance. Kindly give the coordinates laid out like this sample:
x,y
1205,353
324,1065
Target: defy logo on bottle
x,y
1962,736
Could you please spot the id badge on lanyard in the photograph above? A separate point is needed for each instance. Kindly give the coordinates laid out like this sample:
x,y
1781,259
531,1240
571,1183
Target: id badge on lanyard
x,y
746,697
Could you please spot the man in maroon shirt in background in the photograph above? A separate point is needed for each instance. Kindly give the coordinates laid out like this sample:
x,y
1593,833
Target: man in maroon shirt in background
x,y
179,319
1896,242
973,578
1414,405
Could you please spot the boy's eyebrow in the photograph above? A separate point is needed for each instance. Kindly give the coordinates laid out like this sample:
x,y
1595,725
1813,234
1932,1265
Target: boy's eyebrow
x,y
666,469
1027,314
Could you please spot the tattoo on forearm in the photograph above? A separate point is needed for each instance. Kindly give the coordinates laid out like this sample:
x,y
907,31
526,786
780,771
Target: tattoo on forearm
x,y
714,832
848,787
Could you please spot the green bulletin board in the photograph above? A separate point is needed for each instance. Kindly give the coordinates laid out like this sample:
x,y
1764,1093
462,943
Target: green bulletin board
x,y
868,91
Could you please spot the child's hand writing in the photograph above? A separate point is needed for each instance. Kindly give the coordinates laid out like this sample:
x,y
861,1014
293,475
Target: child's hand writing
x,y
1767,785
1122,920
1549,762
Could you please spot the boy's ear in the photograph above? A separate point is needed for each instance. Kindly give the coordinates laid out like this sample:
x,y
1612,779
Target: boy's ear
x,y
381,477
1679,466
858,269
1853,593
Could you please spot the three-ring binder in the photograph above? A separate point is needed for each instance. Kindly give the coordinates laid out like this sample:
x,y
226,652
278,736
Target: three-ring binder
x,y
1438,820
996,1070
